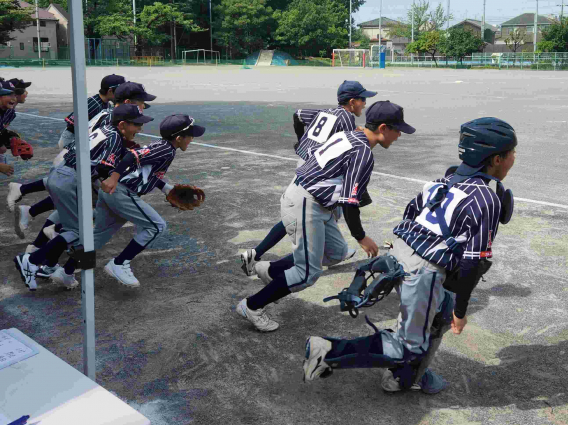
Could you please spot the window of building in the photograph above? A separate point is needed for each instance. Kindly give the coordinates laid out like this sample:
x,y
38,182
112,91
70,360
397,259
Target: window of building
x,y
41,23
44,44
22,46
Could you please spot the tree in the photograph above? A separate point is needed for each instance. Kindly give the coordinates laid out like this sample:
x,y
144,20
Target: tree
x,y
515,39
13,18
312,26
243,26
428,42
459,43
425,20
555,37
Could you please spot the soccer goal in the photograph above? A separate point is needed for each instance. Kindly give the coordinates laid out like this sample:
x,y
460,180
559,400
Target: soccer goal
x,y
200,57
354,58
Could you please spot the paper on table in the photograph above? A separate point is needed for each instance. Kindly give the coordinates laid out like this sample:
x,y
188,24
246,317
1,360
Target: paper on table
x,y
12,350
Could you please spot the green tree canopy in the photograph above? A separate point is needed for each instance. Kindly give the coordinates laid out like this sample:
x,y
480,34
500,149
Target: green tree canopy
x,y
555,37
428,42
425,20
12,18
313,26
459,43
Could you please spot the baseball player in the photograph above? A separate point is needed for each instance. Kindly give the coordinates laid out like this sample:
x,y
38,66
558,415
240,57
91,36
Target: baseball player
x,y
127,93
108,148
448,229
321,124
335,175
7,103
138,173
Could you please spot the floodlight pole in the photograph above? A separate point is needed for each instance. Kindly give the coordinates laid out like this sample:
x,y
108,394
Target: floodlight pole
x,y
38,37
134,15
448,15
84,199
380,24
535,26
350,8
412,54
210,26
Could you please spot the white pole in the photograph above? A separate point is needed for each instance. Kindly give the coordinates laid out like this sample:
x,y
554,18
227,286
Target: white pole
x,y
380,25
448,15
210,25
38,37
535,25
134,14
78,73
412,54
350,6
483,23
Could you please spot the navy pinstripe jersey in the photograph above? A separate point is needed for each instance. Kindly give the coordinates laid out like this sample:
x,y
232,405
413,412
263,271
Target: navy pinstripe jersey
x,y
94,105
152,163
101,119
321,124
472,211
339,170
106,148
9,116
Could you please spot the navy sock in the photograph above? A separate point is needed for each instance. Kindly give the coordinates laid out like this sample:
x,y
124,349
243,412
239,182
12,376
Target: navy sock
x,y
56,246
42,206
41,239
131,251
37,186
275,235
275,290
278,267
70,266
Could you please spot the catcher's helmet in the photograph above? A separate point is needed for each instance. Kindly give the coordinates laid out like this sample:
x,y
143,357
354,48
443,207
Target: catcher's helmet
x,y
482,138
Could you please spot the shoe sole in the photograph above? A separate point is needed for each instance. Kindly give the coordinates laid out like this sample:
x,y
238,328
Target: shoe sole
x,y
61,283
245,264
19,267
11,208
111,274
17,216
43,275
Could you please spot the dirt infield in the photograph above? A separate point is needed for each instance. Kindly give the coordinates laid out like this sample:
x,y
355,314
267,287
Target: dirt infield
x,y
176,350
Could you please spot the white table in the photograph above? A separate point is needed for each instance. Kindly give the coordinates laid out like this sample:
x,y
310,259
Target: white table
x,y
54,393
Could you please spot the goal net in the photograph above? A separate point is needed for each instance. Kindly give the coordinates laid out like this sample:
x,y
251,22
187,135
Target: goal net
x,y
200,57
356,58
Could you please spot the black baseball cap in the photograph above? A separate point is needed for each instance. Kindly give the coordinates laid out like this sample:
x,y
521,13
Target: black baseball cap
x,y
133,91
352,89
385,112
112,81
130,113
20,85
6,88
180,125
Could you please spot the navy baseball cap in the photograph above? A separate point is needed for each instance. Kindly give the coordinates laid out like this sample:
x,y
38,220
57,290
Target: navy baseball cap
x,y
385,112
133,91
112,81
6,88
19,84
180,125
352,89
130,113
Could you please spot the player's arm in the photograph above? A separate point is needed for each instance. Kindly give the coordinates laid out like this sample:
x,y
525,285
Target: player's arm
x,y
355,184
299,126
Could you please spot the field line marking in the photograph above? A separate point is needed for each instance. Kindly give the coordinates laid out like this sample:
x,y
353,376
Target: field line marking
x,y
391,176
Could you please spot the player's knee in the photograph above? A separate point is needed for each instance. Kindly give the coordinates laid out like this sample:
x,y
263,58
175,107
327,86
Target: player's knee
x,y
161,227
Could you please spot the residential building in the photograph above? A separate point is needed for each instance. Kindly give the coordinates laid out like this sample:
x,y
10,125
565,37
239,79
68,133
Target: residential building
x,y
371,30
474,26
26,45
525,24
62,16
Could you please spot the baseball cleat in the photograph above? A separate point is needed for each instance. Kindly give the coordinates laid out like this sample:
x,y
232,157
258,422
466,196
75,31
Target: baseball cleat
x,y
50,232
14,195
431,383
27,270
122,273
22,220
314,365
45,272
30,249
258,318
68,281
247,258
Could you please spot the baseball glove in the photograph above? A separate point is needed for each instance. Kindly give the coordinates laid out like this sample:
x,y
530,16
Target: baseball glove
x,y
6,136
21,148
185,197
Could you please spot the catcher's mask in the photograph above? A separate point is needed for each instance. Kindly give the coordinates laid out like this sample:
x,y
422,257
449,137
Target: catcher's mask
x,y
385,272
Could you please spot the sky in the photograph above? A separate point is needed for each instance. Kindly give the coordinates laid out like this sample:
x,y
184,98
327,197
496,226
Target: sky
x,y
496,11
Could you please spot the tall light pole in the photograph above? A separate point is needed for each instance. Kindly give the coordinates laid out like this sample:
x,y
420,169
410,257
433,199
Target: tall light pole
x,y
38,37
350,8
483,23
380,24
134,14
211,27
412,54
535,25
448,15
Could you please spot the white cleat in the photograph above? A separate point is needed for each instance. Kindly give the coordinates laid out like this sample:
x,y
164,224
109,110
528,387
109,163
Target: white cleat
x,y
50,232
14,195
27,270
314,364
247,258
22,220
122,273
46,271
61,278
258,318
30,249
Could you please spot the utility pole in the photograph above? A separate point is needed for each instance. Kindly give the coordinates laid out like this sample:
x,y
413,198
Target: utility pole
x,y
561,11
448,15
134,14
210,27
350,8
412,54
38,37
535,26
483,23
380,24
